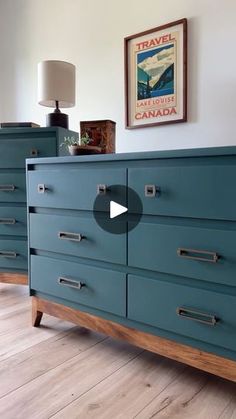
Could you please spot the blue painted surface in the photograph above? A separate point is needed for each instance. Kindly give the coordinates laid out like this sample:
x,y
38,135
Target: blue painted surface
x,y
39,147
15,146
156,302
195,209
15,181
140,156
74,188
13,221
96,243
102,289
195,191
17,246
162,241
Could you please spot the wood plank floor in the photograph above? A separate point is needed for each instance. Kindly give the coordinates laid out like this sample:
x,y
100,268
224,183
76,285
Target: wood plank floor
x,y
62,371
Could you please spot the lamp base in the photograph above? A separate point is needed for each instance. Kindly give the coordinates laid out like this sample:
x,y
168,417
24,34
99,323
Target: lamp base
x,y
57,119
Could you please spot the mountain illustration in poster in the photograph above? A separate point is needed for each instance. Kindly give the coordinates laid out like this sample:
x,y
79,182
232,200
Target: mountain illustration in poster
x,y
155,72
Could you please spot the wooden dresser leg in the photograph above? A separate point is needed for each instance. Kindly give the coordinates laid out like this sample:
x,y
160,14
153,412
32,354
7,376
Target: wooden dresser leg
x,y
36,314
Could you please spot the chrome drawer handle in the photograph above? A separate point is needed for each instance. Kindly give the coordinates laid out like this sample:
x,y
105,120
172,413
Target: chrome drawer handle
x,y
201,255
151,191
70,283
197,316
34,152
7,188
76,237
6,254
41,188
9,221
102,189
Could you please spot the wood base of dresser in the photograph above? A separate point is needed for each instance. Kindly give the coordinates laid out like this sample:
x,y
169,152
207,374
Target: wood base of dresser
x,y
13,278
205,361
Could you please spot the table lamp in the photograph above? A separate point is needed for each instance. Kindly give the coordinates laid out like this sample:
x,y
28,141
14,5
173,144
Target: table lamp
x,y
56,88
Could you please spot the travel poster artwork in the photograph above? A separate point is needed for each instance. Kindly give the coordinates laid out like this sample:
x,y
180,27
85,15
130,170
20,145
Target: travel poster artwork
x,y
156,82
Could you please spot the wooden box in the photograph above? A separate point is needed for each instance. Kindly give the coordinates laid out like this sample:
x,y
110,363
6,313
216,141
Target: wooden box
x,y
102,132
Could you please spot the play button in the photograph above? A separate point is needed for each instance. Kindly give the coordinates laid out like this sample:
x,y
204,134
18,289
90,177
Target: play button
x,y
111,208
116,209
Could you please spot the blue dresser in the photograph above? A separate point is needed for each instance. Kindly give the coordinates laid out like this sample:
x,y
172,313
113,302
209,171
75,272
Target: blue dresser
x,y
15,146
167,284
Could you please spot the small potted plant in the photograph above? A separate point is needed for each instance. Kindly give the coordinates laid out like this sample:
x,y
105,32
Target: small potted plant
x,y
80,146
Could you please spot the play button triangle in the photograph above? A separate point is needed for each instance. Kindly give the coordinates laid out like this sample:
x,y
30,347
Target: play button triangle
x,y
116,209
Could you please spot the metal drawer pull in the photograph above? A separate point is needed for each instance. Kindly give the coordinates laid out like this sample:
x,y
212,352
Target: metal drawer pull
x,y
76,237
34,152
10,255
7,188
151,191
201,255
41,188
197,316
102,189
70,283
7,221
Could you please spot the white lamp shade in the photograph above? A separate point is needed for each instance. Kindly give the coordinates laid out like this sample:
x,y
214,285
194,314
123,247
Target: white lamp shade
x,y
56,82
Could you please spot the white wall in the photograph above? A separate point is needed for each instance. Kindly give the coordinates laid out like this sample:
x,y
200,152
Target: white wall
x,y
89,33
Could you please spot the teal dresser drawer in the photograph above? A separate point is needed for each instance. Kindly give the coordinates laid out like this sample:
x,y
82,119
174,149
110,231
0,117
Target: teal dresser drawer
x,y
186,191
201,314
77,236
13,221
89,286
75,188
16,145
12,187
194,252
26,148
13,254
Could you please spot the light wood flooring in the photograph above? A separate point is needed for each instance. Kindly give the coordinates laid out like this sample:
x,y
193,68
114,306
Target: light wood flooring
x,y
62,371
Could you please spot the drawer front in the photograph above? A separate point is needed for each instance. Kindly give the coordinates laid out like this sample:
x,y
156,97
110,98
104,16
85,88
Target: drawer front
x,y
12,187
75,188
13,221
13,254
203,315
15,151
195,252
77,236
190,191
90,286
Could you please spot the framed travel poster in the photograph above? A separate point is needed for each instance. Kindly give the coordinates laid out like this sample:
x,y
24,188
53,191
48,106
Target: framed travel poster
x,y
156,76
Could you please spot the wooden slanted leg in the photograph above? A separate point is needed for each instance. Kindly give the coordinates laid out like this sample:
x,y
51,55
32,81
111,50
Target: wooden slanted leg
x,y
36,314
194,357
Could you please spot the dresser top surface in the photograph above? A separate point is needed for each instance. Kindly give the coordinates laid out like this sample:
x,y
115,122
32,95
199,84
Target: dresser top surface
x,y
32,131
151,155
